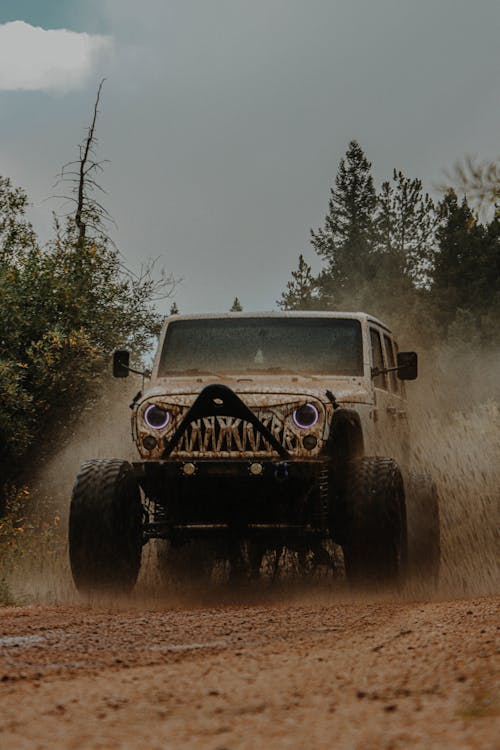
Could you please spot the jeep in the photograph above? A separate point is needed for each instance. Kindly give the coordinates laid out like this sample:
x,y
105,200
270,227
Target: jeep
x,y
258,433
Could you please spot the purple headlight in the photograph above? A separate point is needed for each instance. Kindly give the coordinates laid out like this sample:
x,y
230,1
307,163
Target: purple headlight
x,y
305,416
156,418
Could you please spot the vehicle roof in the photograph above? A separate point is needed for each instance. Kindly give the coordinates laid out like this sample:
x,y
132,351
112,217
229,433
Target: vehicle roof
x,y
285,314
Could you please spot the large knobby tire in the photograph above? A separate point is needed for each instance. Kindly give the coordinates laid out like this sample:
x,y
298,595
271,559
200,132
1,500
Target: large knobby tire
x,y
105,527
375,544
424,536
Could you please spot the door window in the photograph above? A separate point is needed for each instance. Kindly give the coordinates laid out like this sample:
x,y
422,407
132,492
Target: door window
x,y
391,362
380,381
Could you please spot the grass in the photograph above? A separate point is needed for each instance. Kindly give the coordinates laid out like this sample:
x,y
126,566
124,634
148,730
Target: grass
x,y
32,549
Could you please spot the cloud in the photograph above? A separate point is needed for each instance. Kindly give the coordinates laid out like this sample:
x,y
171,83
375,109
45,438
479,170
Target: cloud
x,y
36,59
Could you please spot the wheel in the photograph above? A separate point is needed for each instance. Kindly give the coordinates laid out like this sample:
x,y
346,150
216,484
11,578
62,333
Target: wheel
x,y
375,534
105,527
424,536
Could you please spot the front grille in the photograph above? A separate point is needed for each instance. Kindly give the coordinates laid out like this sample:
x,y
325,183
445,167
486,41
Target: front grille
x,y
230,435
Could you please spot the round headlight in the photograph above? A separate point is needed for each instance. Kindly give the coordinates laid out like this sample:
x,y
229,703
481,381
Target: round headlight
x,y
156,418
305,416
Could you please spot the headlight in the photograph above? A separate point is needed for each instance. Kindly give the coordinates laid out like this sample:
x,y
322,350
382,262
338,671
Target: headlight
x,y
156,418
305,416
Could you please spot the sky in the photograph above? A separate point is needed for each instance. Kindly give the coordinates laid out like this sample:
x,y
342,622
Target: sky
x,y
224,120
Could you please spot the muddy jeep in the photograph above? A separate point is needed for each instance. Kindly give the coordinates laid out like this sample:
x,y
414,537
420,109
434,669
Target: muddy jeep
x,y
261,433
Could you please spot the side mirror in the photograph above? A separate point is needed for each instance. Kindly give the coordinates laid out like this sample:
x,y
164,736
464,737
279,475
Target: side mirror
x,y
407,365
121,359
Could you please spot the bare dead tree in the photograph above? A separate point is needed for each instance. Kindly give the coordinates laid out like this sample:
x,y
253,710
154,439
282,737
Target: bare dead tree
x,y
89,214
478,180
85,169
81,175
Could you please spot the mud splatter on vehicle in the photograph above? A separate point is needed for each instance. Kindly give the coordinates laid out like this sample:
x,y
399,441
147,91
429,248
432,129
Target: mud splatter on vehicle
x,y
261,433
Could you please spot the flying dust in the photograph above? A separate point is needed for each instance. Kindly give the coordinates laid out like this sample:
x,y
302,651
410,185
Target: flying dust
x,y
455,426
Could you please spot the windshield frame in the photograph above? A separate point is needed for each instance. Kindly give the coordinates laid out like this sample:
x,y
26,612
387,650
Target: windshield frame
x,y
321,320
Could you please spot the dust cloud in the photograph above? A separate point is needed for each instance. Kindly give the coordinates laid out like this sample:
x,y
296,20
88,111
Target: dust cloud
x,y
38,568
455,426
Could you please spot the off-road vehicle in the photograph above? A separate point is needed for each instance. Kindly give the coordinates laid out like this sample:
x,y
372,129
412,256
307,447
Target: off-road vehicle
x,y
260,433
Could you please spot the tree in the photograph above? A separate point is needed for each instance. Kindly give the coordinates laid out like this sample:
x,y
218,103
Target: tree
x,y
174,310
346,241
478,180
301,291
16,233
63,308
466,275
236,306
406,225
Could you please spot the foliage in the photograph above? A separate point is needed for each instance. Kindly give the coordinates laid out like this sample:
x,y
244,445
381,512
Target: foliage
x,y
478,180
236,306
16,233
301,291
466,274
406,223
63,308
418,265
346,240
28,540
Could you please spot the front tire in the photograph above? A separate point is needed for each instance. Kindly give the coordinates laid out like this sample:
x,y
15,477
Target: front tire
x,y
105,527
375,543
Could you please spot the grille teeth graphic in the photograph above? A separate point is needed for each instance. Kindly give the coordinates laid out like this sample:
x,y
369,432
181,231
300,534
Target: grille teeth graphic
x,y
214,435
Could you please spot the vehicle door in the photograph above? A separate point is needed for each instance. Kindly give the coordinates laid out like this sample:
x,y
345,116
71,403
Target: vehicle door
x,y
396,409
383,399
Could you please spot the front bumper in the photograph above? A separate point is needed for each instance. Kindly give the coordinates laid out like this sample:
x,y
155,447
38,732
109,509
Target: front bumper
x,y
258,469
219,496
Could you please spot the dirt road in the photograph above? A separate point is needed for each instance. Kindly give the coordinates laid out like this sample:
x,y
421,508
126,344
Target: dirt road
x,y
303,672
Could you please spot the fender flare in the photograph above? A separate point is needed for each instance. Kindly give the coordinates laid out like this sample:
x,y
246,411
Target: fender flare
x,y
346,435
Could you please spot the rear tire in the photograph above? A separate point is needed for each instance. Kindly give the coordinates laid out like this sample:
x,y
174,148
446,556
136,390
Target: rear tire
x,y
105,527
375,542
424,535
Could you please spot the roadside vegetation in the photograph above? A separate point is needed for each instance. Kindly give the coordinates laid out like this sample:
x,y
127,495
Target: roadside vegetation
x,y
64,306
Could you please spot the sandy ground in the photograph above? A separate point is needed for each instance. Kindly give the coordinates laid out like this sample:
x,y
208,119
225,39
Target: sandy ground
x,y
306,671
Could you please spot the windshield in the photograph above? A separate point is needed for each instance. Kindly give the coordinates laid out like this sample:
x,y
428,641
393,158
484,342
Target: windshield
x,y
306,346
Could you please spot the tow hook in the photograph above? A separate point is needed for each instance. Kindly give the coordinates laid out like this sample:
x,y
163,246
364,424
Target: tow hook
x,y
281,472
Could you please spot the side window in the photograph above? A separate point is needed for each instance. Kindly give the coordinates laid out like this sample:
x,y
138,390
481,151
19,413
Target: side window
x,y
391,362
380,381
401,383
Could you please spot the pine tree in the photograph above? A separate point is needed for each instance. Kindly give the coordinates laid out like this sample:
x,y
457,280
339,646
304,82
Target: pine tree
x,y
346,241
406,224
466,275
236,306
301,291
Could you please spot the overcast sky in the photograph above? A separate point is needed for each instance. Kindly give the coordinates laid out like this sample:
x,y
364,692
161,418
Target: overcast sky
x,y
224,120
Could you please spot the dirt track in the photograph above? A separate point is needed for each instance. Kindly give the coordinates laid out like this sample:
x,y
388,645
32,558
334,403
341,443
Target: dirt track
x,y
304,672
